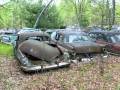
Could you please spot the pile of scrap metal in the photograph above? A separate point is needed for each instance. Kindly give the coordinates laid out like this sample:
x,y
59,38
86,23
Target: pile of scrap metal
x,y
36,51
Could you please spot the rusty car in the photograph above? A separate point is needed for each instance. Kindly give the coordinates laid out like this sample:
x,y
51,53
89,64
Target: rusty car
x,y
77,43
110,39
35,52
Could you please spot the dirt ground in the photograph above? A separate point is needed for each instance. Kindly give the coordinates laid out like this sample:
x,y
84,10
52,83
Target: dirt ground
x,y
83,76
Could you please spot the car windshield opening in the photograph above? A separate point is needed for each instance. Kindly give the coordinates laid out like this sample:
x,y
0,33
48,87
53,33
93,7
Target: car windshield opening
x,y
76,38
115,38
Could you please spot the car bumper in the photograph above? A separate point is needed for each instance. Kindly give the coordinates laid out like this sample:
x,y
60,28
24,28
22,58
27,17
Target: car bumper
x,y
40,68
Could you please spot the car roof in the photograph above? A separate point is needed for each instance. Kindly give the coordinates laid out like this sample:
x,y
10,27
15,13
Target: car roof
x,y
105,32
54,30
49,31
29,29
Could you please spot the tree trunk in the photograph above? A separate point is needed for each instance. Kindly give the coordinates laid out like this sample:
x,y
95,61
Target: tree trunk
x,y
113,12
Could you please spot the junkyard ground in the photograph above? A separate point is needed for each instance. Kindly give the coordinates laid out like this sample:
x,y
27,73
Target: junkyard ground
x,y
83,76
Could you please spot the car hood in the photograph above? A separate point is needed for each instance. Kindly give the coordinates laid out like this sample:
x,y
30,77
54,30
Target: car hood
x,y
86,47
118,43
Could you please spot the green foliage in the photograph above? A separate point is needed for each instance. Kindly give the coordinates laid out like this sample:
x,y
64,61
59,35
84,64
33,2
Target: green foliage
x,y
51,18
117,14
5,16
67,12
75,12
23,13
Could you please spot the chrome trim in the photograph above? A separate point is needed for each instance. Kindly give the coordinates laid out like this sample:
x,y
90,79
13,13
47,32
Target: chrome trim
x,y
36,68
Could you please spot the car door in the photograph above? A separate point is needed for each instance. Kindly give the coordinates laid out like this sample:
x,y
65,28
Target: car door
x,y
93,36
115,47
110,44
101,39
98,38
60,39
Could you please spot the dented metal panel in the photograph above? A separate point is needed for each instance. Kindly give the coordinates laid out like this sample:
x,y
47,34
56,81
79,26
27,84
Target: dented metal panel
x,y
39,50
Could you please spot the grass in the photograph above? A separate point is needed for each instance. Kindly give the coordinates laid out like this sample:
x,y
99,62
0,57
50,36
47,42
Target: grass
x,y
6,50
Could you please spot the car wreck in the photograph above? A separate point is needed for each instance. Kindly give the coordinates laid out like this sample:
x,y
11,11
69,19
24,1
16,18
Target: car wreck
x,y
110,39
8,37
35,52
77,43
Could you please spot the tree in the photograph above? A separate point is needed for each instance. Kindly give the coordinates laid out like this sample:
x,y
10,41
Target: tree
x,y
76,11
22,13
113,12
40,14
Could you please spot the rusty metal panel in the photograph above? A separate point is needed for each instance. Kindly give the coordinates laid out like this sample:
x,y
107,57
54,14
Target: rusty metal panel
x,y
39,50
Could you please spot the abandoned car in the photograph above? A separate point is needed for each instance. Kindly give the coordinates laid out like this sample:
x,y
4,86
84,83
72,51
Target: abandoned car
x,y
35,51
110,39
23,30
77,43
8,37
